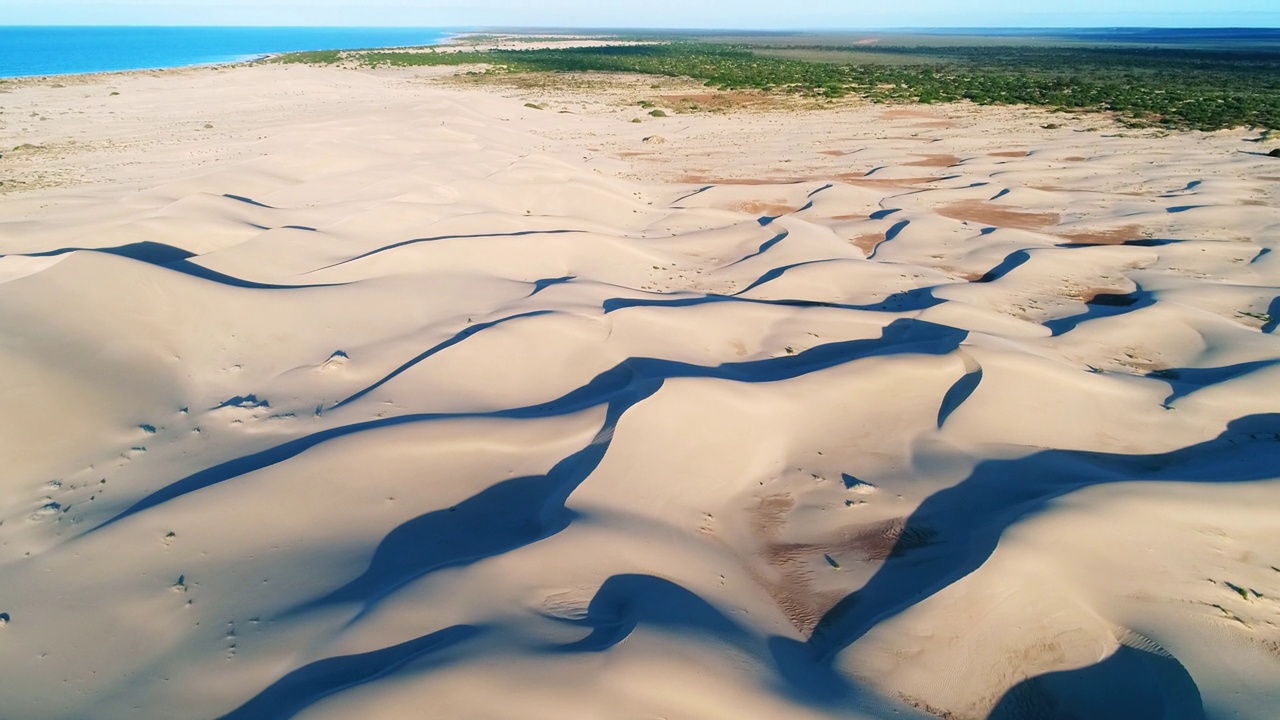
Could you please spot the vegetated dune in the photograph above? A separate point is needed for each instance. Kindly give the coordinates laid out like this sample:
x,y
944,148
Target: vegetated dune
x,y
418,402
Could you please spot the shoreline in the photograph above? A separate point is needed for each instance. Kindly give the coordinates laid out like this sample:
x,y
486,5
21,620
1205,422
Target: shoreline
x,y
447,39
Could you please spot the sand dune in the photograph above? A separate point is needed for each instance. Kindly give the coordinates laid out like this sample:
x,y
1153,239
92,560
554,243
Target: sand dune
x,y
382,398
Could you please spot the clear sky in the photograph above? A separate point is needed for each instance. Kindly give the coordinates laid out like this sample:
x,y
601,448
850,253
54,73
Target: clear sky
x,y
769,14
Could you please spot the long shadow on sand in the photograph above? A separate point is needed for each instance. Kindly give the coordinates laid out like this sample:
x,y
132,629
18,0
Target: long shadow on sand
x,y
1100,306
620,387
521,511
626,602
1011,262
764,247
1184,381
502,517
148,252
416,241
1131,684
177,260
311,683
907,301
438,347
621,605
964,523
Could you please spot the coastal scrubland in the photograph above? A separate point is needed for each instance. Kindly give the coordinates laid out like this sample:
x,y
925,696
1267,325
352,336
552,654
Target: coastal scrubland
x,y
1180,88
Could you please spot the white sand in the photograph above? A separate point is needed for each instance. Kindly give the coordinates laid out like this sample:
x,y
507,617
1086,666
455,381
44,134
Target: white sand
x,y
341,394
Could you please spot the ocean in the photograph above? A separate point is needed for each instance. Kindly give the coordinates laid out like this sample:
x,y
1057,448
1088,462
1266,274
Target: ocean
x,y
29,50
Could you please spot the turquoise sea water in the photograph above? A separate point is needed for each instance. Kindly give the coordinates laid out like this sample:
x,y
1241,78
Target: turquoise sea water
x,y
64,50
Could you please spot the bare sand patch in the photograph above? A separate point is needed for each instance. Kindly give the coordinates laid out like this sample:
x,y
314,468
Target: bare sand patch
x,y
1113,236
770,209
941,161
985,213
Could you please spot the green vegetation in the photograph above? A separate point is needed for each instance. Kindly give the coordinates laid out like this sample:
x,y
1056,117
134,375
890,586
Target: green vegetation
x,y
1180,88
310,57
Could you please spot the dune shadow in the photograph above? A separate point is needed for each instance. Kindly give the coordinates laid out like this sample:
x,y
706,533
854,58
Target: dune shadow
x,y
764,248
963,523
1011,262
619,388
1131,684
437,238
507,515
175,259
624,602
776,273
438,347
890,235
1273,316
543,284
521,511
146,251
248,201
958,393
1184,381
906,301
1187,188
311,683
1101,306
699,191
198,271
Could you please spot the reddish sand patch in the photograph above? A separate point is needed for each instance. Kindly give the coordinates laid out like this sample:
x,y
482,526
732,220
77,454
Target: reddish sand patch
x,y
869,242
1010,154
858,179
1060,188
850,217
631,153
936,124
789,579
864,181
1115,236
764,208
935,161
707,180
833,153
1075,158
985,213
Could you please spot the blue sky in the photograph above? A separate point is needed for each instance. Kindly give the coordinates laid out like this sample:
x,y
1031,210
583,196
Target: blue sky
x,y
812,14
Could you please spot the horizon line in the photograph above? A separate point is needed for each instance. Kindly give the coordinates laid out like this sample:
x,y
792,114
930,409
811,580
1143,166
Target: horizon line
x,y
608,28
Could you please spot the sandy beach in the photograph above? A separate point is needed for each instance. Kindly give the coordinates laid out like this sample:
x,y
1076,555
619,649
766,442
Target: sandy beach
x,y
334,393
